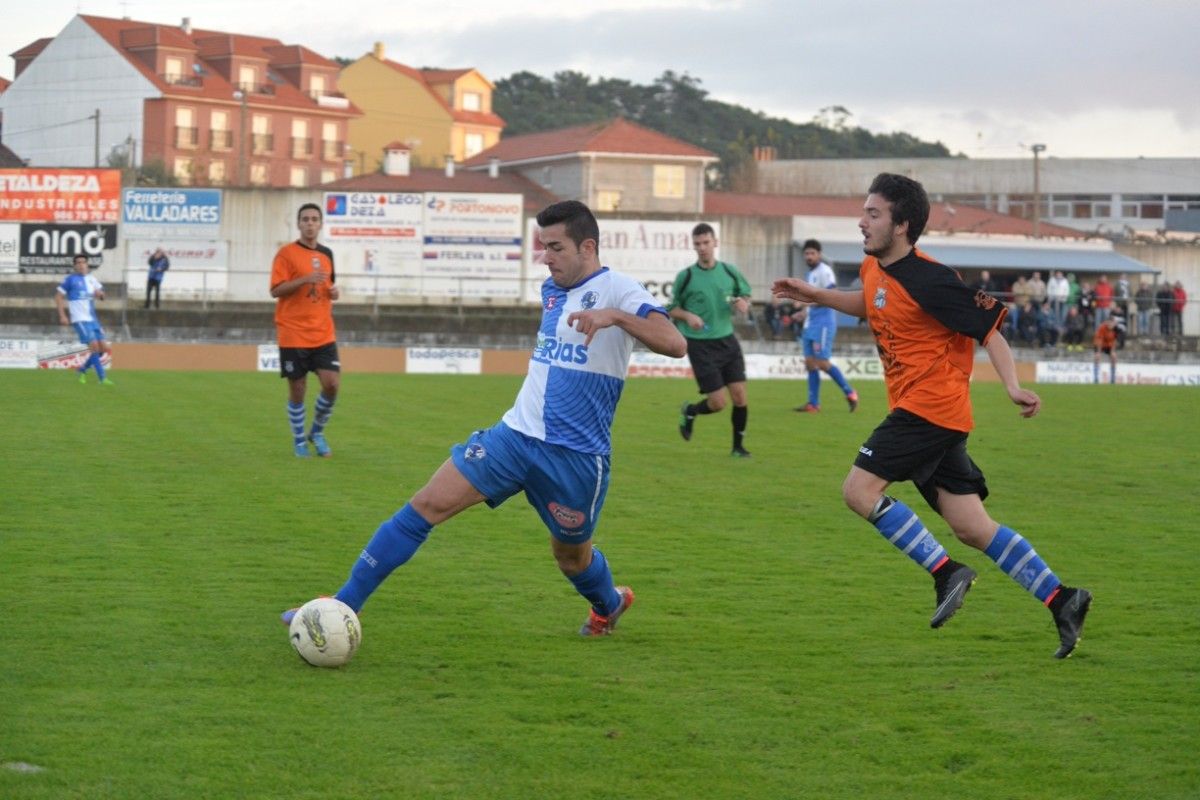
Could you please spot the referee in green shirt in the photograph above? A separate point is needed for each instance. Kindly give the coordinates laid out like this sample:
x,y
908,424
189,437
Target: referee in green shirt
x,y
703,300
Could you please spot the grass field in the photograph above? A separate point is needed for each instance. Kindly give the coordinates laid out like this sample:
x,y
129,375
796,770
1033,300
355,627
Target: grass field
x,y
152,531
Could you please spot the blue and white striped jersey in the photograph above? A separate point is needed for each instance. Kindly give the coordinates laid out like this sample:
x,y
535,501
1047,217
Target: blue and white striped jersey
x,y
79,291
822,277
571,391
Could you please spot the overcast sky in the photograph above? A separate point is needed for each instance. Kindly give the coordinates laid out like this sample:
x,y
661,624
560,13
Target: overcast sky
x,y
1087,78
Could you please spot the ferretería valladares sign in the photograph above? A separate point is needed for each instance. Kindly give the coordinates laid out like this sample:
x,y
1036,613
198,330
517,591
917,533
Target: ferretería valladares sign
x,y
171,212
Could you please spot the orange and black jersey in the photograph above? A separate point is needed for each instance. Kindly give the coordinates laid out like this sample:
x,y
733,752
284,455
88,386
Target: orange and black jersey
x,y
304,318
926,322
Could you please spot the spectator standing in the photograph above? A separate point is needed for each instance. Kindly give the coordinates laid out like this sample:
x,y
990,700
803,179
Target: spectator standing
x,y
1180,300
1073,329
1037,289
1057,292
1073,289
1145,307
985,283
1122,294
158,264
1087,304
1020,296
1165,299
1104,299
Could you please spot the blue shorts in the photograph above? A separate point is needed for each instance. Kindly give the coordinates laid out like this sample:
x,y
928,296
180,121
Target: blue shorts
x,y
89,331
565,486
818,341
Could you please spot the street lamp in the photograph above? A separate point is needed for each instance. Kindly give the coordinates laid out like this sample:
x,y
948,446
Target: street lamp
x,y
240,95
1037,190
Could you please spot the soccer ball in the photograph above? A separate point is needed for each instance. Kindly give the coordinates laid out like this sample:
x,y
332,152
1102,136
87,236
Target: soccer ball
x,y
325,632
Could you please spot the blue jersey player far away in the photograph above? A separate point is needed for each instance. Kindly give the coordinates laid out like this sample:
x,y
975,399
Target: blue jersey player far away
x,y
554,443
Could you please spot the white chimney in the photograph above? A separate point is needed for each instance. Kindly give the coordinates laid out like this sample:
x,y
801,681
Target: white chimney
x,y
396,159
378,51
493,167
187,25
348,168
449,166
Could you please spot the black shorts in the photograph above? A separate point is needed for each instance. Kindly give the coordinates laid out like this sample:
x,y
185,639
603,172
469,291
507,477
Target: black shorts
x,y
716,362
296,362
906,447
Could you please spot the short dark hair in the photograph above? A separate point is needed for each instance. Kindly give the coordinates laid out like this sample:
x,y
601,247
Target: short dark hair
x,y
314,207
579,220
702,229
908,200
78,256
811,244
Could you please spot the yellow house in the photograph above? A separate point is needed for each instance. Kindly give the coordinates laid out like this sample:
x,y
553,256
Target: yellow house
x,y
436,112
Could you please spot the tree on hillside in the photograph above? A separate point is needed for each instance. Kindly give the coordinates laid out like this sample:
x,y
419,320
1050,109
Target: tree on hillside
x,y
678,105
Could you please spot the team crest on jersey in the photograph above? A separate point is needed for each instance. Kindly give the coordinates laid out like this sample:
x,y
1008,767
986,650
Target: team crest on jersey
x,y
551,301
567,517
984,300
880,297
474,452
589,300
316,262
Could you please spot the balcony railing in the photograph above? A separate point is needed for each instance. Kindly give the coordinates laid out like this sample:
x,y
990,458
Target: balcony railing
x,y
301,147
257,88
193,81
221,140
332,150
186,137
261,143
317,94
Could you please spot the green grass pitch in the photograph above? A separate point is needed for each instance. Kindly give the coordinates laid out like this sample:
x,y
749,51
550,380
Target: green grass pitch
x,y
152,531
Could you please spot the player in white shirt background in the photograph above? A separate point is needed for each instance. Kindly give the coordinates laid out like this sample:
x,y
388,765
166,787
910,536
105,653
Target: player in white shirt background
x,y
75,300
554,443
820,328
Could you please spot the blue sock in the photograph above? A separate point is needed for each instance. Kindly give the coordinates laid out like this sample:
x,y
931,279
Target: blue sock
x,y
839,379
322,409
392,545
91,359
96,365
814,387
900,526
596,584
1095,372
1016,556
296,419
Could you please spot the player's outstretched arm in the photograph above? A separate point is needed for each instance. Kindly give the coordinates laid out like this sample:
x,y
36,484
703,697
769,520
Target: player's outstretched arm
x,y
847,301
653,330
1000,354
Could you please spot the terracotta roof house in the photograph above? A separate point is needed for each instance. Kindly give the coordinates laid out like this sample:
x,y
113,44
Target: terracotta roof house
x,y
616,165
215,108
437,113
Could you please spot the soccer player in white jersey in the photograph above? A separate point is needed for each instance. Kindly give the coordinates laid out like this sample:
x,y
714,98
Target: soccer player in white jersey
x,y
75,300
553,444
820,328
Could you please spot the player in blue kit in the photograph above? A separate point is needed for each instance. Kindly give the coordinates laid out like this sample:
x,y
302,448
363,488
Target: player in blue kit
x,y
554,443
75,300
820,327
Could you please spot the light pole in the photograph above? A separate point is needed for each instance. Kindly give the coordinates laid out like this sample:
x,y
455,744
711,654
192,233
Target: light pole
x,y
1037,189
240,95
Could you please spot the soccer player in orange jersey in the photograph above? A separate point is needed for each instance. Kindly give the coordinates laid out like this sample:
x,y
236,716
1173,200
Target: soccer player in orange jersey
x,y
926,321
1105,341
303,284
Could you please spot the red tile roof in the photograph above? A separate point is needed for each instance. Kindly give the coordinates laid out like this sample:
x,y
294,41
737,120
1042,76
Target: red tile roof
x,y
613,136
435,76
33,48
4,84
458,115
435,180
216,45
943,217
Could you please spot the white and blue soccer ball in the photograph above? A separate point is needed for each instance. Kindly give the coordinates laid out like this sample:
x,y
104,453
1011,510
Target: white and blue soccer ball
x,y
325,632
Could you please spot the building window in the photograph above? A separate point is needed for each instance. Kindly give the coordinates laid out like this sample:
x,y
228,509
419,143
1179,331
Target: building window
x,y
258,174
328,175
186,134
222,137
331,148
301,144
473,144
216,173
247,78
299,177
316,85
608,199
173,70
472,101
183,171
261,140
668,181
